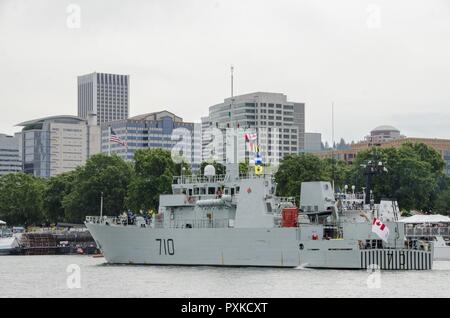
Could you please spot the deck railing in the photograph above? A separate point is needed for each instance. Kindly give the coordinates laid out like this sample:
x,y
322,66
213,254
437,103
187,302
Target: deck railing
x,y
187,224
213,179
428,231
106,219
158,222
286,199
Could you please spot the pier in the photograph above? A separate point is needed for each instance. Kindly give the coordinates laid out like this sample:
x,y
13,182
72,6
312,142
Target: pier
x,y
57,242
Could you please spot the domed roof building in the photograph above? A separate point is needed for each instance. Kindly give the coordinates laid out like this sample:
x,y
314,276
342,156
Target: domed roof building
x,y
385,128
383,134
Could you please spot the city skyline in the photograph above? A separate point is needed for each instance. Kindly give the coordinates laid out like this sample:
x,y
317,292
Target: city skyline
x,y
318,54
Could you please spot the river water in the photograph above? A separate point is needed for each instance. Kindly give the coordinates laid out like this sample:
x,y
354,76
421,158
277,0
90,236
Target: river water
x,y
85,276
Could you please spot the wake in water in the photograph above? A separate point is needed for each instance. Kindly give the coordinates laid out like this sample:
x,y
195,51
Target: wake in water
x,y
303,267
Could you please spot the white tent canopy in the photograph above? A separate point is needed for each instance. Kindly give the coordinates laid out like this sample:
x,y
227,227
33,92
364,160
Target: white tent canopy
x,y
432,218
2,222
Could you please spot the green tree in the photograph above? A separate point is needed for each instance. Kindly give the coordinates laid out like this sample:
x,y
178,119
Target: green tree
x,y
295,169
55,190
21,199
178,168
152,176
337,171
181,162
109,175
442,203
244,167
425,153
413,175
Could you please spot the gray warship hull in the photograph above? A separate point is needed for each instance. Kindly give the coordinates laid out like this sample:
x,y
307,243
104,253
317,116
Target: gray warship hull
x,y
270,247
231,221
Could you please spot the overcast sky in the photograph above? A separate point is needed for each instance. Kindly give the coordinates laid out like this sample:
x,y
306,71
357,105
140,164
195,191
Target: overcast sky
x,y
381,62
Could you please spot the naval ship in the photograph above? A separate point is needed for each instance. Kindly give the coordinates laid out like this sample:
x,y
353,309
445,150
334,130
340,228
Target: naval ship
x,y
235,220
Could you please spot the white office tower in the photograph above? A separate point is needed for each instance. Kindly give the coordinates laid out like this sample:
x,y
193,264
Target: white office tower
x,y
278,124
106,95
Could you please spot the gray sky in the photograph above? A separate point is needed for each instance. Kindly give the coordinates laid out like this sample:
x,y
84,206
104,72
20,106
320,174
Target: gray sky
x,y
381,62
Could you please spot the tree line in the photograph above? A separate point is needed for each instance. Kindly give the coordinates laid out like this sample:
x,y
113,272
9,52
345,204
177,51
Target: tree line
x,y
70,197
415,178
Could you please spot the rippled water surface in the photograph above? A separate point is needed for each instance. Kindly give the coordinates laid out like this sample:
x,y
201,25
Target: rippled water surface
x,y
48,276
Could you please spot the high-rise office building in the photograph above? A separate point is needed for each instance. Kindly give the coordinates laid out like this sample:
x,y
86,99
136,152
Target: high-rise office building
x,y
10,159
58,144
161,129
106,95
278,123
313,142
205,124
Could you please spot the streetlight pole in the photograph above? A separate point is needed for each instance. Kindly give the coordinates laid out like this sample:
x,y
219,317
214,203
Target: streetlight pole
x,y
372,168
101,205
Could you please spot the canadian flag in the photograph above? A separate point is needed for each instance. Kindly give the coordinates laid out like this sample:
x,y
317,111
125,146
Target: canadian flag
x,y
380,229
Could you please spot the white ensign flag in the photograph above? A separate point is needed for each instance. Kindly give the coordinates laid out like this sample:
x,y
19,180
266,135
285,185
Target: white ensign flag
x,y
380,229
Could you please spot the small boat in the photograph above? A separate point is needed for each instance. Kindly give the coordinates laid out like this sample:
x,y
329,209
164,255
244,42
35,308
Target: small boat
x,y
434,228
8,241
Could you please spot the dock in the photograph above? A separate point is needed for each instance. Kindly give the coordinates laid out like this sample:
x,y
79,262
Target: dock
x,y
57,241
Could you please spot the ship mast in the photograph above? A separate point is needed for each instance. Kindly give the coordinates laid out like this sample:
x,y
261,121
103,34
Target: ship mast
x,y
232,80
232,166
235,159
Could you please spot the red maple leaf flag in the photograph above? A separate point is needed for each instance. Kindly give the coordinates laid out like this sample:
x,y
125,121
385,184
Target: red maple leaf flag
x,y
380,229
